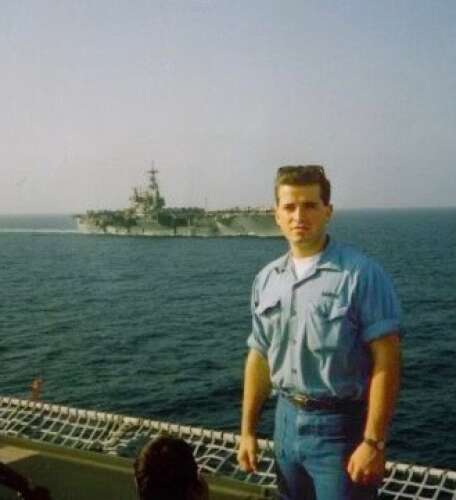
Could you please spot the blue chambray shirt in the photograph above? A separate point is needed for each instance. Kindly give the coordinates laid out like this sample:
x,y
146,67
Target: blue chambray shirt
x,y
315,331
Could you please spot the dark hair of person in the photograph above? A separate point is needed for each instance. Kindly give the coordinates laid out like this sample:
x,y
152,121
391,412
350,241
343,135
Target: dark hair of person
x,y
165,469
17,482
302,175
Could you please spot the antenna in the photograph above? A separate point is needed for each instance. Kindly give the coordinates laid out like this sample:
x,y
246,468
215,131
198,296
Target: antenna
x,y
153,177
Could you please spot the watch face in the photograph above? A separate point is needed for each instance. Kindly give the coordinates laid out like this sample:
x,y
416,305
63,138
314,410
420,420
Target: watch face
x,y
379,445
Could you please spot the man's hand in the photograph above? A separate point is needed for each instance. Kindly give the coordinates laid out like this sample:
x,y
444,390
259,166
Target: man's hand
x,y
257,387
247,454
366,465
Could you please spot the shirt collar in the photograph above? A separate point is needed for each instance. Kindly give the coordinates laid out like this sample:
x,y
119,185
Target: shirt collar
x,y
329,258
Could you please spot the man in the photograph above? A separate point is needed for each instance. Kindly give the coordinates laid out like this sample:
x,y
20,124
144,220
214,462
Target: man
x,y
325,337
165,469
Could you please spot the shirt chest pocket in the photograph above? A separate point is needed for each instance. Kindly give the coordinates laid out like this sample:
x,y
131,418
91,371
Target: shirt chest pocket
x,y
269,312
328,327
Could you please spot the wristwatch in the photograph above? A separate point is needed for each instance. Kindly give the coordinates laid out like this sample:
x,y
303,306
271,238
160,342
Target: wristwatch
x,y
378,444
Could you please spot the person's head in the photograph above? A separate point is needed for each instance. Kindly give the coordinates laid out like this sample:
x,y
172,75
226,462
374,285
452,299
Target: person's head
x,y
165,469
303,208
303,175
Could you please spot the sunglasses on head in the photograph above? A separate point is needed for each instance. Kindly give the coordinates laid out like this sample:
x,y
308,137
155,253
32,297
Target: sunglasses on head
x,y
301,169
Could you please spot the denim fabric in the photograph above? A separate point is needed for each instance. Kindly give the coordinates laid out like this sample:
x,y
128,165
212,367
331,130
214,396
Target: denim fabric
x,y
315,330
312,449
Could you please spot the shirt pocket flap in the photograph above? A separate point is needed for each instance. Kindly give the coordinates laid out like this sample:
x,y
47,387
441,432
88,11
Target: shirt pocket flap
x,y
331,311
337,311
268,306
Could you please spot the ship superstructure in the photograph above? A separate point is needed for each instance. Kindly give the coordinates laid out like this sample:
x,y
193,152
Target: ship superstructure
x,y
148,202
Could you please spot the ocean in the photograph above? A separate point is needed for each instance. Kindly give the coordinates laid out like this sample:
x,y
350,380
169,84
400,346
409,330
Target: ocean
x,y
157,327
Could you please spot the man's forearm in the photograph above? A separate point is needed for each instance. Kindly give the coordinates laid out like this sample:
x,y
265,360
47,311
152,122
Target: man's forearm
x,y
257,387
384,386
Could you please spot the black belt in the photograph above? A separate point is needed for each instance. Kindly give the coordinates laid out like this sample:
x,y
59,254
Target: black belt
x,y
328,404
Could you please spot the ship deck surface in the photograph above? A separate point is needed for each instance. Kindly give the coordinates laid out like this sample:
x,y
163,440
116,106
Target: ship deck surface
x,y
82,475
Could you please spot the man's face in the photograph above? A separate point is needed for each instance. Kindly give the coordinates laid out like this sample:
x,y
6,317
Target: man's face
x,y
302,217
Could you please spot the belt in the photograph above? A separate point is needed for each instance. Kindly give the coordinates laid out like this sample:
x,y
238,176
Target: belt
x,y
329,404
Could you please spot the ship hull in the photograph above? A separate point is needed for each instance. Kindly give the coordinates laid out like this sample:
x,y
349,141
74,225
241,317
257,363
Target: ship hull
x,y
224,225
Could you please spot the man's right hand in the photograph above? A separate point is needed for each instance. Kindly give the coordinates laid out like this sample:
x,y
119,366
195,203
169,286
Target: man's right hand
x,y
257,386
247,454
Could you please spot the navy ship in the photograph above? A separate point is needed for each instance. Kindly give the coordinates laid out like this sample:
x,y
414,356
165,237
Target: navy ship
x,y
149,216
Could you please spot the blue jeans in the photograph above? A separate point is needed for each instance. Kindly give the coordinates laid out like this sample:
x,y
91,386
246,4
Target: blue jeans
x,y
312,449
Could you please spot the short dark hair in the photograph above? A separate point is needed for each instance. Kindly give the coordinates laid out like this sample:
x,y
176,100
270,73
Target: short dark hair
x,y
165,469
302,175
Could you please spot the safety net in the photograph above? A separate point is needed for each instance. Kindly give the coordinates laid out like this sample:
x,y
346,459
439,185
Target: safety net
x,y
215,451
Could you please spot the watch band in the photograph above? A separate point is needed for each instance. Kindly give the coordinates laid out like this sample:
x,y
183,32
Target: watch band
x,y
377,444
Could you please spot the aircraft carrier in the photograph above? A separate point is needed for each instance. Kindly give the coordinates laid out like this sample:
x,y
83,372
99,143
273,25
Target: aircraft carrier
x,y
148,216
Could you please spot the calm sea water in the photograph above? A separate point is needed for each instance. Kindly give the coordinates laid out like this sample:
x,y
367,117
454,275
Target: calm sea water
x,y
156,327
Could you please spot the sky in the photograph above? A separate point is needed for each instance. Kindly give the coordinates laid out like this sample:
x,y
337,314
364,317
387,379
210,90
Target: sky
x,y
218,94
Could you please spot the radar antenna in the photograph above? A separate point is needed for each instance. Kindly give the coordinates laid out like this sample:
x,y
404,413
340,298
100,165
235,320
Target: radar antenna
x,y
153,184
155,201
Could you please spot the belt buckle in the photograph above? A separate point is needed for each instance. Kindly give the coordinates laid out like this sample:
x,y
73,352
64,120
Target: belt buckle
x,y
302,400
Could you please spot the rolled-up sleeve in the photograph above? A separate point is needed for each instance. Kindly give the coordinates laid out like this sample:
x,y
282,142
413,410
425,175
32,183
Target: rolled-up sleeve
x,y
257,339
377,303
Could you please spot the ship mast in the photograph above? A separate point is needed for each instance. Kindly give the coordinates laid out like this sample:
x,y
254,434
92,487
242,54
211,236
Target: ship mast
x,y
154,201
153,184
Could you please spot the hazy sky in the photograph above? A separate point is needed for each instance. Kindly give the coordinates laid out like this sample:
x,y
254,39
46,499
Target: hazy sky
x,y
219,93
